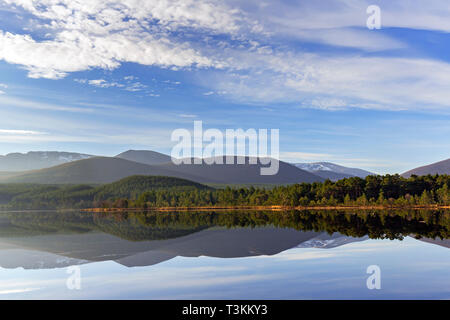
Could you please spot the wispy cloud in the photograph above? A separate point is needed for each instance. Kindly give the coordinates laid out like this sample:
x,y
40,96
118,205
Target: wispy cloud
x,y
30,104
20,132
21,290
188,116
302,156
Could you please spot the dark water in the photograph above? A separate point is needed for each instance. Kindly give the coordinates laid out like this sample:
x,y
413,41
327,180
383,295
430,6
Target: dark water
x,y
230,255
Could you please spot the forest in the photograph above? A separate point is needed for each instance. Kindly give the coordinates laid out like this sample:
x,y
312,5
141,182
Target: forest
x,y
149,192
148,225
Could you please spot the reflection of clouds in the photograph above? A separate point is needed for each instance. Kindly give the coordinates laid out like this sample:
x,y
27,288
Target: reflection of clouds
x,y
109,280
289,255
327,253
178,277
410,269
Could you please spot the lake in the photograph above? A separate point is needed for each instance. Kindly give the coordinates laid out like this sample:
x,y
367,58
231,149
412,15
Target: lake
x,y
225,255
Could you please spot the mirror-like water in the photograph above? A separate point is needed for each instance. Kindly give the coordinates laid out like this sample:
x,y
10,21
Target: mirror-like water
x,y
225,255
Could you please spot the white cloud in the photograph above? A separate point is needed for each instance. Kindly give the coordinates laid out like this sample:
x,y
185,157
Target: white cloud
x,y
188,116
128,85
338,82
251,66
105,33
353,38
102,83
301,156
28,104
287,17
20,132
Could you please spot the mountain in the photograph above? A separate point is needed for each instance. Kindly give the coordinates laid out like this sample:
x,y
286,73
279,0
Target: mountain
x,y
332,171
242,173
441,167
97,170
145,157
38,160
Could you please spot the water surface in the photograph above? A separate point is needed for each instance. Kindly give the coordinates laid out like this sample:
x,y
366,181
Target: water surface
x,y
226,255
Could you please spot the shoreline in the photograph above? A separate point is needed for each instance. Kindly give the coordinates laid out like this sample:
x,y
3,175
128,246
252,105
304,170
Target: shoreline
x,y
265,208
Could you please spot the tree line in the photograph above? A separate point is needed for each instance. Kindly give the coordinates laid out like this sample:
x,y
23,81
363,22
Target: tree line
x,y
145,225
387,190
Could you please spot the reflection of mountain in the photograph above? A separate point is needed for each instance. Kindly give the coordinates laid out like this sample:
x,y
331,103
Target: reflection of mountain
x,y
439,242
52,240
53,251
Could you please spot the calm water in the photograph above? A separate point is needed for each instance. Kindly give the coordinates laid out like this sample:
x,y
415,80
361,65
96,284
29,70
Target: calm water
x,y
289,255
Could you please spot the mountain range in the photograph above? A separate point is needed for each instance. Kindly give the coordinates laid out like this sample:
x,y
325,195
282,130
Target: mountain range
x,y
37,160
52,167
61,250
99,170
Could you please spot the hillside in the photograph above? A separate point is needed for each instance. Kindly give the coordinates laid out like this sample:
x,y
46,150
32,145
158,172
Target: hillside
x,y
96,170
333,176
441,167
29,196
133,186
38,160
145,156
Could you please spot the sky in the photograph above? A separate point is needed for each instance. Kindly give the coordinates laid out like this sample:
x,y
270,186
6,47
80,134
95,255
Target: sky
x,y
102,76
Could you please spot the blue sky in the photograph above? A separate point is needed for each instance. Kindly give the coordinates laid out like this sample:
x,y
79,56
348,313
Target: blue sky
x,y
104,76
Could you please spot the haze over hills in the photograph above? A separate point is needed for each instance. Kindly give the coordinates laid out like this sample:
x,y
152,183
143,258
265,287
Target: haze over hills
x,y
52,167
145,156
243,173
222,173
98,170
38,160
441,167
332,171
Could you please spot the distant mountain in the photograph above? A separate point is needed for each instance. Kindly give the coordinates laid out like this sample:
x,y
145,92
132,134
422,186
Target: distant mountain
x,y
145,157
38,160
96,170
332,171
99,170
441,167
243,173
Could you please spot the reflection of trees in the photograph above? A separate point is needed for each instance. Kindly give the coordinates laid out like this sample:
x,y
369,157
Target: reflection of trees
x,y
153,225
